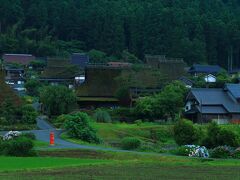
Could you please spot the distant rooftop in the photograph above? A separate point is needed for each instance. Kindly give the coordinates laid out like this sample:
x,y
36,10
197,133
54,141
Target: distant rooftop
x,y
162,58
80,59
216,97
29,55
23,59
197,68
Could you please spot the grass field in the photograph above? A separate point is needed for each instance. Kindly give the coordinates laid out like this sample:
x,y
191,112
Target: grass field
x,y
40,144
30,163
120,166
112,134
130,171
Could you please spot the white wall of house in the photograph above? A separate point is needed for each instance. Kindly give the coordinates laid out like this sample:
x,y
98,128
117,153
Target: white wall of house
x,y
188,106
210,78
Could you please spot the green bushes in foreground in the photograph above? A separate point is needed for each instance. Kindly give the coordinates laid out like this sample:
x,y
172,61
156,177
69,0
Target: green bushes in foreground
x,y
20,146
78,126
186,133
217,136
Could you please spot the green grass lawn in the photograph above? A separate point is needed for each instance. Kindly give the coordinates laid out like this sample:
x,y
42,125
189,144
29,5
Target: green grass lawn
x,y
40,144
113,133
30,163
86,164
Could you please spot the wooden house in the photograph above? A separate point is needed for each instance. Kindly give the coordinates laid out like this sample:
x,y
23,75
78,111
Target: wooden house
x,y
220,104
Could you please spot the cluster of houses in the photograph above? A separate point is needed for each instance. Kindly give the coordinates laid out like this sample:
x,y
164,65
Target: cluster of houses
x,y
96,86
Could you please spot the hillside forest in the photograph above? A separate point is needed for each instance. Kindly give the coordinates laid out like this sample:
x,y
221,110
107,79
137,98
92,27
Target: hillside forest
x,y
200,31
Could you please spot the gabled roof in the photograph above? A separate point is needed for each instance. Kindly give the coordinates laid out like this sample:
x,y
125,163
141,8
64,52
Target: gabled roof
x,y
60,69
23,59
212,69
99,82
80,59
215,97
218,109
234,89
186,81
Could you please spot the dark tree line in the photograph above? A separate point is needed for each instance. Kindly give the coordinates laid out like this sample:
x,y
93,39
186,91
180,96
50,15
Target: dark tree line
x,y
200,31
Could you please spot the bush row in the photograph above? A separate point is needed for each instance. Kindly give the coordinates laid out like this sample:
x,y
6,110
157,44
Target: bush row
x,y
20,146
186,133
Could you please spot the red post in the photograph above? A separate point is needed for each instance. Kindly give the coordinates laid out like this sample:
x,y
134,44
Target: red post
x,y
52,139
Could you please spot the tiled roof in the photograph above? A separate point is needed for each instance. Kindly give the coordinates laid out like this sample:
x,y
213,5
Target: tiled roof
x,y
212,109
196,68
216,97
234,89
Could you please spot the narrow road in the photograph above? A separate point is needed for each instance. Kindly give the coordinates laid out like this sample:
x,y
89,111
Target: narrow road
x,y
46,128
43,134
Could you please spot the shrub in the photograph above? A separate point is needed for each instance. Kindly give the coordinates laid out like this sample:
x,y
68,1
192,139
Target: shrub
x,y
32,87
138,122
78,126
220,137
130,143
236,154
29,114
182,151
221,152
185,133
192,151
60,120
20,146
228,138
124,114
102,116
29,135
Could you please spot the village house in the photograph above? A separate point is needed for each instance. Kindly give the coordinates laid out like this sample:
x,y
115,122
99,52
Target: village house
x,y
99,88
80,59
198,69
219,104
14,75
173,68
61,72
208,72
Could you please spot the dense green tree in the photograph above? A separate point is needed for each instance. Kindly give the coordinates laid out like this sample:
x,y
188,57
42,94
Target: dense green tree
x,y
57,100
32,87
167,104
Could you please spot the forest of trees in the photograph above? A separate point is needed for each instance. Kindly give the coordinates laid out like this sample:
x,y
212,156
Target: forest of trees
x,y
200,31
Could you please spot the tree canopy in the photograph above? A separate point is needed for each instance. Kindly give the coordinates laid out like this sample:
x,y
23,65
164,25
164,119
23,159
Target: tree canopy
x,y
57,100
200,31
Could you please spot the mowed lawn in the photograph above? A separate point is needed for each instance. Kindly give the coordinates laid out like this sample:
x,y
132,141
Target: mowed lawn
x,y
29,163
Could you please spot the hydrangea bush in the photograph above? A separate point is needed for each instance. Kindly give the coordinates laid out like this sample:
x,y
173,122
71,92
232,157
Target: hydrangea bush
x,y
11,134
197,151
193,151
